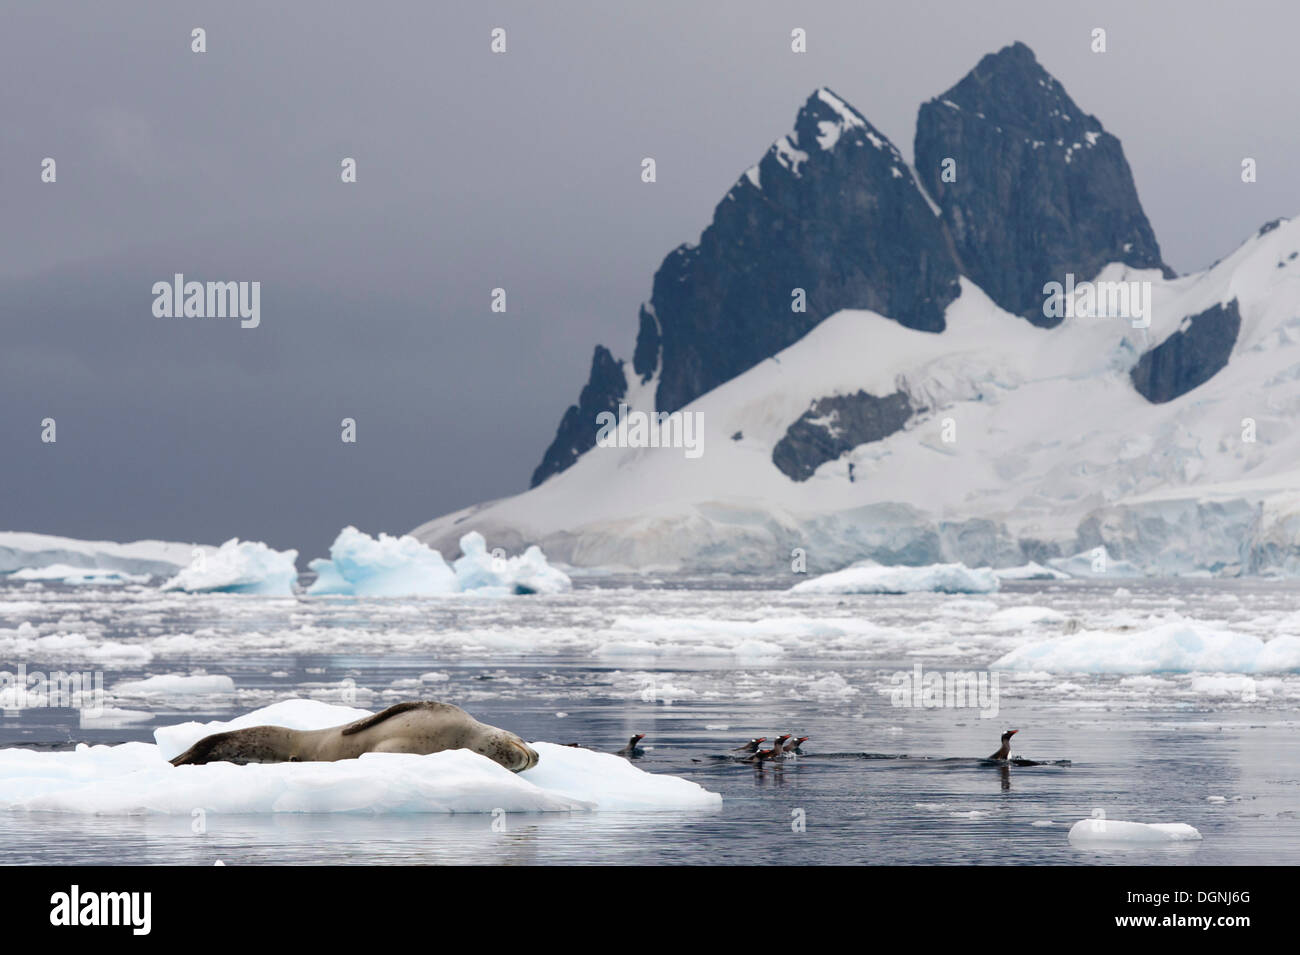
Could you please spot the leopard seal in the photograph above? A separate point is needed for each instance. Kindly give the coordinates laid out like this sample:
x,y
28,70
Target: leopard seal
x,y
419,727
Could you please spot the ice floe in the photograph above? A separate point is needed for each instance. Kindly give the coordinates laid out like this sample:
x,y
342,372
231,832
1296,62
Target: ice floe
x,y
1093,831
135,778
1176,646
1030,571
871,578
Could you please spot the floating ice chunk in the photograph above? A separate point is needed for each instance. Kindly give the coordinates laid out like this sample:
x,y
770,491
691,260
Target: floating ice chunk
x,y
113,717
240,567
403,566
136,778
1030,571
174,684
1177,647
870,578
385,567
528,573
66,573
1090,831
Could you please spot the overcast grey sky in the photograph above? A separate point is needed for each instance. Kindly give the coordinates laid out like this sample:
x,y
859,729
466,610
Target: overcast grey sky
x,y
475,171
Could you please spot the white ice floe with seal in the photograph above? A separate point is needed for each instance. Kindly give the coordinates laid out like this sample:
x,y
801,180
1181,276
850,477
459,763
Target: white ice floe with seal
x,y
135,778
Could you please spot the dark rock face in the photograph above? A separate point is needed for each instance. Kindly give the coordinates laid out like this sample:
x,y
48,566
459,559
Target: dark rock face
x,y
835,425
646,357
577,434
1190,356
1041,189
831,209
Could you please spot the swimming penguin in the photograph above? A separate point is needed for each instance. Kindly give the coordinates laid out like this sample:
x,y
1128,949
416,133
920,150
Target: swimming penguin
x,y
776,752
632,750
751,746
1005,749
794,744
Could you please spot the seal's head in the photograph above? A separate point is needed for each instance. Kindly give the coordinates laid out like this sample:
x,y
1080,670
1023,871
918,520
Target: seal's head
x,y
504,747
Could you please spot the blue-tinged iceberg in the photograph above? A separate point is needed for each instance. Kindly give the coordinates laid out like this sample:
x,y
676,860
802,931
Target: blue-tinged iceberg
x,y
361,565
239,567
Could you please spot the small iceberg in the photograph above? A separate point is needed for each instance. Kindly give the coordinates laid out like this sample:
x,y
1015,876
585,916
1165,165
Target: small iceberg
x,y
364,566
1112,831
871,578
135,778
1181,646
1030,571
239,567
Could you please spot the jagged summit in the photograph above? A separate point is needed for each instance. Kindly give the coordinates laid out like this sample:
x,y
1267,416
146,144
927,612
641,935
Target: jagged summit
x,y
1012,89
1017,187
830,218
1040,189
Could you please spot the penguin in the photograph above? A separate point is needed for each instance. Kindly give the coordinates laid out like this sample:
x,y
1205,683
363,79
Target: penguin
x,y
1005,750
632,750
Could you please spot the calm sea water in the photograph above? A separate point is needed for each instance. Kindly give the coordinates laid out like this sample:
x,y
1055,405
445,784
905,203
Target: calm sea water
x,y
699,669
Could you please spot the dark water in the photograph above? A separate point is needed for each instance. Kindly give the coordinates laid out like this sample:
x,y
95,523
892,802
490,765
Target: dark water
x,y
1150,767
1135,757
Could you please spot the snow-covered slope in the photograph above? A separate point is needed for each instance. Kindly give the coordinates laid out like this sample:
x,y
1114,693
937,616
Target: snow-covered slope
x,y
20,550
1024,443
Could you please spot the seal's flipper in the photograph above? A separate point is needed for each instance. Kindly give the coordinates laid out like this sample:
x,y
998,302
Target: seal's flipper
x,y
395,710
